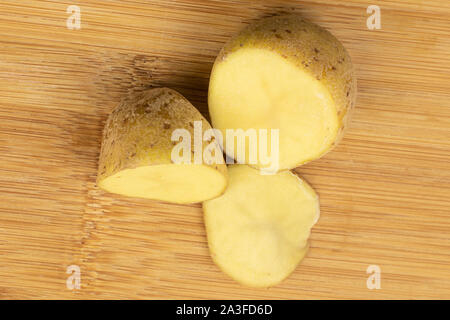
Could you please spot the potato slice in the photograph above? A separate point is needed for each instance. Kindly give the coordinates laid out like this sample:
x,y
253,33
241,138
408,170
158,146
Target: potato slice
x,y
284,73
258,229
135,158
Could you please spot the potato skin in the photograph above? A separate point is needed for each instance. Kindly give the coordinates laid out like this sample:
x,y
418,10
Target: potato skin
x,y
138,131
309,47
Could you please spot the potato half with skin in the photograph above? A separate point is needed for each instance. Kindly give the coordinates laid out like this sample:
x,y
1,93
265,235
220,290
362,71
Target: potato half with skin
x,y
135,158
258,229
284,73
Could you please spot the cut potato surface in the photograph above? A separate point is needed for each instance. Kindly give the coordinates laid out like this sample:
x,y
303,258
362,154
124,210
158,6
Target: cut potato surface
x,y
283,73
181,183
258,229
262,90
136,154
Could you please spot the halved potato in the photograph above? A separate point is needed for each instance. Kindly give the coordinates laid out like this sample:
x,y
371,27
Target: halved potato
x,y
258,229
284,73
135,158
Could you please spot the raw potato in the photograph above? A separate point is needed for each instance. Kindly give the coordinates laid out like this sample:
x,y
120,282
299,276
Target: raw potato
x,y
284,73
135,158
258,229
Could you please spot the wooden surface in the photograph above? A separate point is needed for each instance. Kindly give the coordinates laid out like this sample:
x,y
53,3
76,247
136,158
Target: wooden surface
x,y
385,190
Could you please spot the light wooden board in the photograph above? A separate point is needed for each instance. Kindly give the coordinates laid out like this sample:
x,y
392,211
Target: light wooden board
x,y
385,190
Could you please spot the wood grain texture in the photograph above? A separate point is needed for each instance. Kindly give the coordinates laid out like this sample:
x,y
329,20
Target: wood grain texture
x,y
385,190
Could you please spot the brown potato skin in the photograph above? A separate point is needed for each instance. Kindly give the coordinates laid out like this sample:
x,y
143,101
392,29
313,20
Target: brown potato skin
x,y
138,131
311,48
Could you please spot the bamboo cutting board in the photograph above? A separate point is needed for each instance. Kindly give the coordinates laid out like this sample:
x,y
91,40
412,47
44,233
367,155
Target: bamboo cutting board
x,y
385,190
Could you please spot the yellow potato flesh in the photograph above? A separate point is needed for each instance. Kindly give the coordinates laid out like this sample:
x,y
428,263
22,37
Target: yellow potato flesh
x,y
178,183
258,229
260,89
